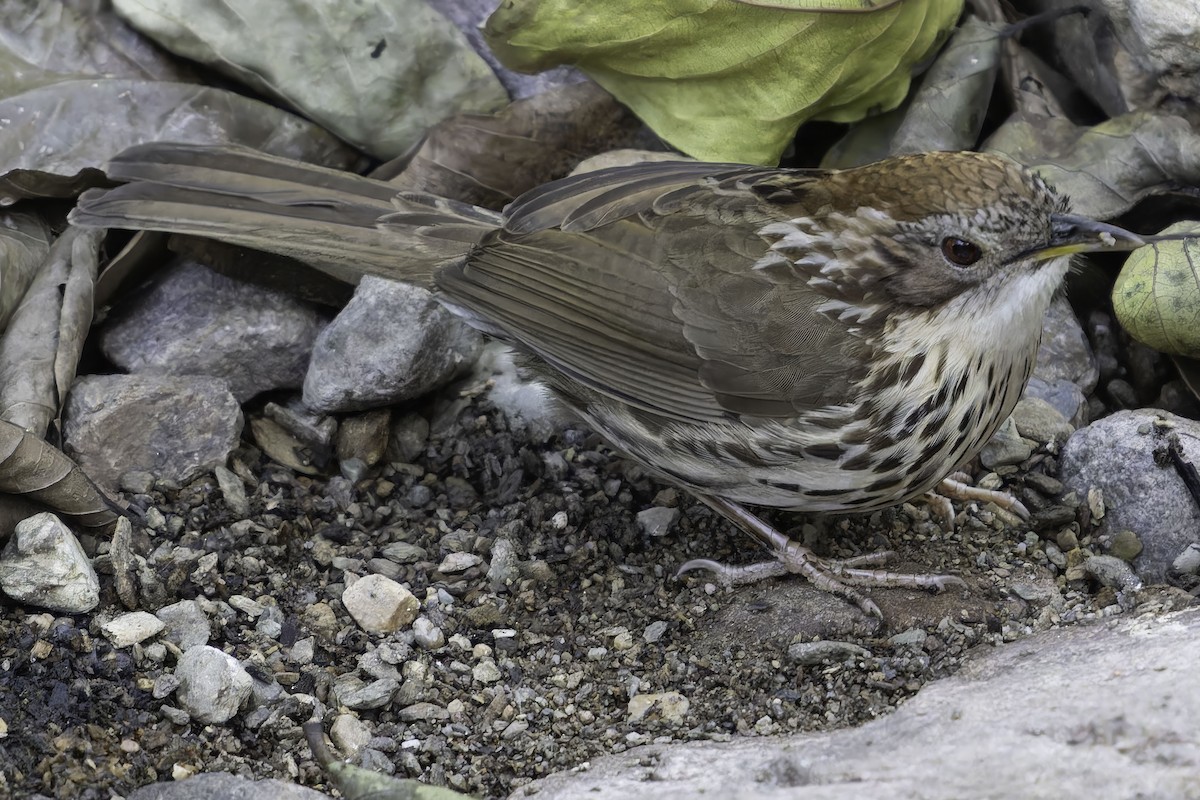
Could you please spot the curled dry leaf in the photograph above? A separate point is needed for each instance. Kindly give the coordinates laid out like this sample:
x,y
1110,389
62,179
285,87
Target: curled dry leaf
x,y
488,160
1157,295
726,81
35,471
1108,168
24,243
54,36
62,123
41,347
944,112
377,74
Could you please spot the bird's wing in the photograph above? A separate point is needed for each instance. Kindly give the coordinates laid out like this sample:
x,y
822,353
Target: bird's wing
x,y
639,283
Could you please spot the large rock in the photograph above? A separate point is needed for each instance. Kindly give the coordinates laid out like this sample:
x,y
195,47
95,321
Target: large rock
x,y
391,342
193,321
1141,493
1065,353
169,426
43,565
1106,710
224,786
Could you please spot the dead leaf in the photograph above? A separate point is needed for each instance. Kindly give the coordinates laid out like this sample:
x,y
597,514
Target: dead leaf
x,y
24,243
946,110
40,349
488,160
37,472
1108,168
376,74
53,36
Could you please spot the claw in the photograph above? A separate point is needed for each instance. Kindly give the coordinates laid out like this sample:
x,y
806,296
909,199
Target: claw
x,y
838,576
952,487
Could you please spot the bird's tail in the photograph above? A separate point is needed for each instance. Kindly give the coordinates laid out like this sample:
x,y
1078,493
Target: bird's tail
x,y
341,223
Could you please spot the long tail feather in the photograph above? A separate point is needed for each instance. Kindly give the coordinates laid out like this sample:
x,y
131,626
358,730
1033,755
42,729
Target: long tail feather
x,y
341,223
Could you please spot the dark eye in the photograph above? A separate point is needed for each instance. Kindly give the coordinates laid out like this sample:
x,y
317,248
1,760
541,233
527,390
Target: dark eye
x,y
960,251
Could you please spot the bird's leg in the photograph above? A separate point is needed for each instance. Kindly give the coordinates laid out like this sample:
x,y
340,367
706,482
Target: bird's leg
x,y
838,576
953,486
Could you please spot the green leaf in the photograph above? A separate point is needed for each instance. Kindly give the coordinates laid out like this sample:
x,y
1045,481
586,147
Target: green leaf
x,y
1157,294
724,80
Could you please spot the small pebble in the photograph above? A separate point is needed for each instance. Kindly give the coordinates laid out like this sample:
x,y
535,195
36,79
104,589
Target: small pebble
x,y
1125,545
670,707
1188,562
657,521
380,605
131,628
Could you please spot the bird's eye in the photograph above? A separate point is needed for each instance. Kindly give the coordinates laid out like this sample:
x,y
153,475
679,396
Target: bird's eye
x,y
960,251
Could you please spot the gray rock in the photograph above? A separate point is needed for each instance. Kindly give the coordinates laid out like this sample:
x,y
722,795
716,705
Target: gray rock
x,y
212,684
364,436
1116,456
391,342
1005,447
193,321
670,707
504,567
410,432
223,786
355,694
380,605
1064,396
350,734
43,565
1188,562
175,427
315,430
131,628
1041,422
187,624
427,634
1017,717
233,491
1065,353
657,521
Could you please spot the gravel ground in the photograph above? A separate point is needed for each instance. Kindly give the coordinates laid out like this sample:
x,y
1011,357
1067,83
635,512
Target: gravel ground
x,y
570,610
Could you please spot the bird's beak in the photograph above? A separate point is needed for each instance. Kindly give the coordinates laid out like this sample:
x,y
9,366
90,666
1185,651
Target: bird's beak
x,y
1070,234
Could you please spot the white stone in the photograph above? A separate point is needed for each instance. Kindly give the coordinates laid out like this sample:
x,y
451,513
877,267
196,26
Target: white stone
x,y
350,734
667,706
212,684
43,565
129,629
380,605
427,635
458,562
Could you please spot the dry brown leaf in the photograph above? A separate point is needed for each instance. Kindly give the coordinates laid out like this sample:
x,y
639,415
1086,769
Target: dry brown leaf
x,y
34,470
41,347
489,159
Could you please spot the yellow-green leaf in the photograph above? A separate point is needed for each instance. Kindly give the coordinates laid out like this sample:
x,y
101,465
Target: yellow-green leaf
x,y
724,80
1157,294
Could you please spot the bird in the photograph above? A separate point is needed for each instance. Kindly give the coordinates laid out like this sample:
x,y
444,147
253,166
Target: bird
x,y
810,340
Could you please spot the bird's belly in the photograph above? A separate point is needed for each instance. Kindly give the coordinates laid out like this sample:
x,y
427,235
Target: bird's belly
x,y
868,462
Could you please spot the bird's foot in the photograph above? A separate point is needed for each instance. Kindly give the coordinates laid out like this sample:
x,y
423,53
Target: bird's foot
x,y
954,487
837,576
